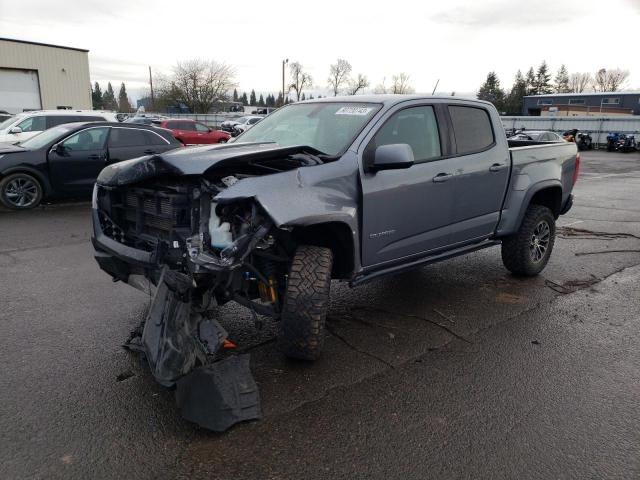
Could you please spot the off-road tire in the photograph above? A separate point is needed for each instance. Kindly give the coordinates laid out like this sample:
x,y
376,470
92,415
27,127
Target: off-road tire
x,y
306,302
518,249
14,181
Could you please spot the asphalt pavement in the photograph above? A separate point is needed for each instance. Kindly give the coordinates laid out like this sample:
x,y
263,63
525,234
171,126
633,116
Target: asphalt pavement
x,y
456,370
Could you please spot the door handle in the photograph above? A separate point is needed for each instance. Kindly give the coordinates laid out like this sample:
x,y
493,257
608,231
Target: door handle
x,y
442,177
496,167
149,152
95,157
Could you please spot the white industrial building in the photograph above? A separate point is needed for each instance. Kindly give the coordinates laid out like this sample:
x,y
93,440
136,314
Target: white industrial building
x,y
39,76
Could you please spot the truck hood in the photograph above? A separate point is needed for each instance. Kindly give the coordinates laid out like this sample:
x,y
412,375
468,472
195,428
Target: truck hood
x,y
193,161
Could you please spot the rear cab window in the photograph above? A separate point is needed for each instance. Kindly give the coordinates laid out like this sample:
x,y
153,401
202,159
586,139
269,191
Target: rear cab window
x,y
472,129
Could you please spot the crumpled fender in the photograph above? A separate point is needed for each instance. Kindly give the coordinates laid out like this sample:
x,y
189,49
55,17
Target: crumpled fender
x,y
304,196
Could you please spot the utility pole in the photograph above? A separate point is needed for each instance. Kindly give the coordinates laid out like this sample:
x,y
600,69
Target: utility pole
x,y
284,62
153,103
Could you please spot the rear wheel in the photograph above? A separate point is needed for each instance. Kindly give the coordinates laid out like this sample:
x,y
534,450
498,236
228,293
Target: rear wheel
x,y
527,251
20,191
306,303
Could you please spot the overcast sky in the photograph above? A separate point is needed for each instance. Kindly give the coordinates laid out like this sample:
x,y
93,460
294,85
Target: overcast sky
x,y
456,41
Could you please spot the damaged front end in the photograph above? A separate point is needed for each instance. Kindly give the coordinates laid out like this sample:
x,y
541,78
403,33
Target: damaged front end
x,y
167,234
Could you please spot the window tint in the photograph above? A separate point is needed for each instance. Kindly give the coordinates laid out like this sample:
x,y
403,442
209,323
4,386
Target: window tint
x,y
89,118
55,120
415,126
89,139
187,126
154,139
254,120
472,128
201,128
33,124
127,137
173,125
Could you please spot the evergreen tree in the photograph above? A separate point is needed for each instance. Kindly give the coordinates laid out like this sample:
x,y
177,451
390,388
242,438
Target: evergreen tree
x,y
109,99
514,99
244,99
530,80
543,79
261,101
561,82
279,101
123,100
311,97
96,97
490,91
271,101
303,97
235,94
252,98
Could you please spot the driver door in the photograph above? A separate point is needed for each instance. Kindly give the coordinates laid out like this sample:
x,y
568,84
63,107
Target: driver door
x,y
407,212
76,162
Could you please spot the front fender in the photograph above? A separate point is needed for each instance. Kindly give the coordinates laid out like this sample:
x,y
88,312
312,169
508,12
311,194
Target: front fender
x,y
306,196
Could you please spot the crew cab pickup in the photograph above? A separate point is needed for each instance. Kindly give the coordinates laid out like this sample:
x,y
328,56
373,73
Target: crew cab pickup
x,y
350,188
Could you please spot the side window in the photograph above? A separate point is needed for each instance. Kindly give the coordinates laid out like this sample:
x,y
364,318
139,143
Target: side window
x,y
154,138
187,126
173,125
472,129
415,126
254,120
89,139
126,137
55,120
201,128
33,124
89,118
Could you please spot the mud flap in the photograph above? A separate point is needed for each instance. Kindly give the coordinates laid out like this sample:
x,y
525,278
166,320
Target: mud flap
x,y
219,395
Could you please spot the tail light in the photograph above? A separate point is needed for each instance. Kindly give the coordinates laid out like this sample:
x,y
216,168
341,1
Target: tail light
x,y
576,171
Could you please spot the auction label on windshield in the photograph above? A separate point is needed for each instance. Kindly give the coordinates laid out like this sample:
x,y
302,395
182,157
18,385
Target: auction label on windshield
x,y
353,110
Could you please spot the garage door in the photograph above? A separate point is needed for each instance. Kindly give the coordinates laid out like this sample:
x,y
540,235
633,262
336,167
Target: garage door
x,y
19,90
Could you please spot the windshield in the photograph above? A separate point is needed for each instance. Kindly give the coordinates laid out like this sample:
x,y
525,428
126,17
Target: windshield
x,y
45,137
9,121
241,120
327,127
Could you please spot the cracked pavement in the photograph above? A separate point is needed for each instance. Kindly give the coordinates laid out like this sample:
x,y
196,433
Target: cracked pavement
x,y
457,370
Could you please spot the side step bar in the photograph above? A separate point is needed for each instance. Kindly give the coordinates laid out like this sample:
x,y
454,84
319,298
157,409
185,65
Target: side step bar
x,y
421,262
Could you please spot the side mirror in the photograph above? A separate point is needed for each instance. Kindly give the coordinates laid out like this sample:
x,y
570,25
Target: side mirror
x,y
391,157
58,148
15,130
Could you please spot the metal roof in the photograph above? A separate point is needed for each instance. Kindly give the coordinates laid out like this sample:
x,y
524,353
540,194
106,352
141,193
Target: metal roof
x,y
42,44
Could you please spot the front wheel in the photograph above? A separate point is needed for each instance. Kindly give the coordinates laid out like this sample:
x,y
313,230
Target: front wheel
x,y
20,191
306,302
527,251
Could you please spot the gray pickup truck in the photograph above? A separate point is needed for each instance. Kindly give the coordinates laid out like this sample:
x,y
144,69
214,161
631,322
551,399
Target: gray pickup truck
x,y
350,188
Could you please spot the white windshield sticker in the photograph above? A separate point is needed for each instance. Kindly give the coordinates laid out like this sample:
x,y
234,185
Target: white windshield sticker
x,y
353,111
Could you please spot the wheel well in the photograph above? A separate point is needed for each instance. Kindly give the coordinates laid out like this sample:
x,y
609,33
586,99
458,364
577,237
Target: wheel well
x,y
550,197
333,235
43,185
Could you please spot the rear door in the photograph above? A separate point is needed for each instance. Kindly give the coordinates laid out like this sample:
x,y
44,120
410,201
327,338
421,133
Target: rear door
x,y
482,173
188,132
203,134
125,143
75,167
156,143
407,212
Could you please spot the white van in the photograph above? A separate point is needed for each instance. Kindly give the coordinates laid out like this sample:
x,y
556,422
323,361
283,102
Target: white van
x,y
28,124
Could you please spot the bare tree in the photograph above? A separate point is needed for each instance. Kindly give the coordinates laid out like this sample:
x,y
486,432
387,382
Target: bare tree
x,y
609,80
339,75
355,85
578,82
300,79
400,84
198,84
381,87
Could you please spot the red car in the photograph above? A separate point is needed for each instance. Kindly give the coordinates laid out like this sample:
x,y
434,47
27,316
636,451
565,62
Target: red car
x,y
190,132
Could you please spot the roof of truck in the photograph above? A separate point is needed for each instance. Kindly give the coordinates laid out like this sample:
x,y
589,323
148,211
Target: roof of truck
x,y
389,99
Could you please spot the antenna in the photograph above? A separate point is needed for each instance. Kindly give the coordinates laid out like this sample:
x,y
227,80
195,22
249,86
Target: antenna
x,y
434,88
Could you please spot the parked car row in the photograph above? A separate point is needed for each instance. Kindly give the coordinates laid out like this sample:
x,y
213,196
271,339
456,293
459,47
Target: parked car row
x,y
65,160
238,125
